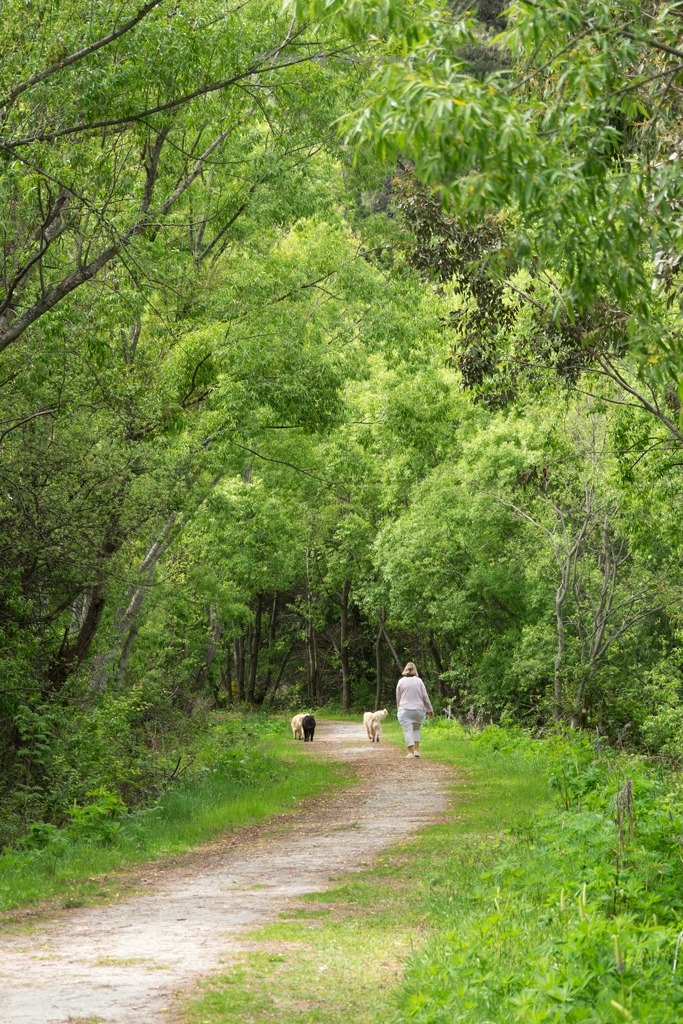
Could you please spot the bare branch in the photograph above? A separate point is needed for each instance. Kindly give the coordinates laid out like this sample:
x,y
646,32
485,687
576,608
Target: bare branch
x,y
279,462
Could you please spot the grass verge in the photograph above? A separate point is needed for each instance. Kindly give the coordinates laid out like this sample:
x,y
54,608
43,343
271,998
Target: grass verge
x,y
233,785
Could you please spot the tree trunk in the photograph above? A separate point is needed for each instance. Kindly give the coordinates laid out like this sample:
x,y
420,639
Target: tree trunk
x,y
226,669
344,646
394,655
215,630
557,682
436,657
272,632
311,640
317,695
89,615
254,650
313,667
278,678
378,668
128,626
238,651
72,654
129,641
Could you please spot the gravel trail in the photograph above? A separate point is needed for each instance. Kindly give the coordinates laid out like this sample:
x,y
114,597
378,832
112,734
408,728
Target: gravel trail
x,y
126,962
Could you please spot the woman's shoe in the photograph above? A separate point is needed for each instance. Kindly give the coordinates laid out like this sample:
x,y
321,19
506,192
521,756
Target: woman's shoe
x,y
410,755
417,754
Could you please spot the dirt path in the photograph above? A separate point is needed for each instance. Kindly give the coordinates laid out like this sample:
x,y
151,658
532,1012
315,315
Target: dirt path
x,y
125,962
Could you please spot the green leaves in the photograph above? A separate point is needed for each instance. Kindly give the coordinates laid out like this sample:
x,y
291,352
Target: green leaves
x,y
571,136
402,22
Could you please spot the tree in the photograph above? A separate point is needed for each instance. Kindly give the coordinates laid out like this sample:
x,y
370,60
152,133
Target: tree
x,y
150,137
572,137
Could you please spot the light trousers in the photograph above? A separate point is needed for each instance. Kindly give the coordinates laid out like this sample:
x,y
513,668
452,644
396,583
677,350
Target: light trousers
x,y
411,720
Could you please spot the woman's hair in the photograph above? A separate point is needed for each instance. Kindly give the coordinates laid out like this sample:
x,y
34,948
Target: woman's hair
x,y
410,670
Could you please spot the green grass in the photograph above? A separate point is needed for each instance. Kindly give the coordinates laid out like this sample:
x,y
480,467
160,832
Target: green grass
x,y
341,959
71,873
334,967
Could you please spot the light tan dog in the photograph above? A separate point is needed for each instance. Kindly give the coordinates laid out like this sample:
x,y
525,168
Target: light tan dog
x,y
297,727
371,721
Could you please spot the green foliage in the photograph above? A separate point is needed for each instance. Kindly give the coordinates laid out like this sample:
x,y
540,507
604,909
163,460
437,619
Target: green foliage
x,y
571,133
99,821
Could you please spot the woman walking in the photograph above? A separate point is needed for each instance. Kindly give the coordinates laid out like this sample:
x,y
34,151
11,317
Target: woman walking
x,y
413,706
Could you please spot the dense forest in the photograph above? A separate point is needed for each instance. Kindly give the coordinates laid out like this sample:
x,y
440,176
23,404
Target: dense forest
x,y
309,367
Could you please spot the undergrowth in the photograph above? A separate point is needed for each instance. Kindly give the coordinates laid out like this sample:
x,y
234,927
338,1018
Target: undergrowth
x,y
244,769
